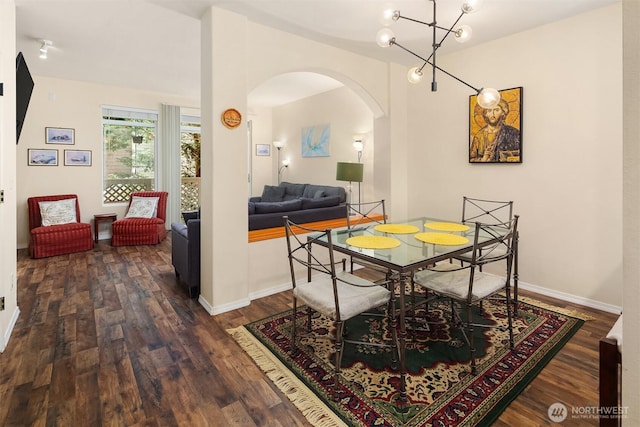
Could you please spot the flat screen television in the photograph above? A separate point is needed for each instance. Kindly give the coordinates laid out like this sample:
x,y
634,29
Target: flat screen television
x,y
24,88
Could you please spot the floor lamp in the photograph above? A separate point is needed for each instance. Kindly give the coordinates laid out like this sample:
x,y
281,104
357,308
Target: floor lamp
x,y
351,172
279,145
359,146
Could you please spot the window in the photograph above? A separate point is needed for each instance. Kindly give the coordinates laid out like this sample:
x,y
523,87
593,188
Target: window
x,y
190,163
129,152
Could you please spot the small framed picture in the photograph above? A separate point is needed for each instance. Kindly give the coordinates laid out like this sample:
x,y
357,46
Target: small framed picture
x,y
64,136
77,157
37,157
263,150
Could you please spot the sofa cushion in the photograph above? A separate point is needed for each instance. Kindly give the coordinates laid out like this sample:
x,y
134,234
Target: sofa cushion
x,y
58,212
287,206
271,193
311,190
187,215
321,202
292,191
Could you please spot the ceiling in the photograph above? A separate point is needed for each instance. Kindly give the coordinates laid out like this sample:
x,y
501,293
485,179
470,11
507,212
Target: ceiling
x,y
154,45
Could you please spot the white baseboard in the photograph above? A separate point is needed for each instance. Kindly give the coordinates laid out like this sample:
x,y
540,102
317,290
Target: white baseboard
x,y
270,291
213,310
609,308
4,338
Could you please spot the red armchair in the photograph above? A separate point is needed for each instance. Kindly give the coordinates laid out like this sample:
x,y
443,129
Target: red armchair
x,y
138,230
58,239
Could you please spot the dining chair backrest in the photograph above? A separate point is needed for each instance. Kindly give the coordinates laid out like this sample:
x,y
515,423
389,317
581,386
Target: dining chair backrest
x,y
486,211
299,252
365,213
502,248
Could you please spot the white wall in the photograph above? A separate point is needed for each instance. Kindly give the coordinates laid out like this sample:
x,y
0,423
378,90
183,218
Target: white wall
x,y
277,52
631,249
346,114
567,190
8,288
263,168
72,104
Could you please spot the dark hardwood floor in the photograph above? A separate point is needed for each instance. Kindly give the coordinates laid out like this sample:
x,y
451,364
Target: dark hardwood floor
x,y
106,337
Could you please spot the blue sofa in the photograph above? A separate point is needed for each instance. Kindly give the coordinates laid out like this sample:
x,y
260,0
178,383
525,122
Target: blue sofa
x,y
185,254
302,203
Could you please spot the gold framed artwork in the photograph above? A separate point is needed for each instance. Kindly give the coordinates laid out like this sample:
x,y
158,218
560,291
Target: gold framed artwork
x,y
495,134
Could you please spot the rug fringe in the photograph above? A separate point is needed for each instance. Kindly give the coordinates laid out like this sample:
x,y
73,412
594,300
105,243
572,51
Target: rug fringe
x,y
314,410
551,307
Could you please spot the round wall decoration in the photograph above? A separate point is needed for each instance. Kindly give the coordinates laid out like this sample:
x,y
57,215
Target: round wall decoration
x,y
231,118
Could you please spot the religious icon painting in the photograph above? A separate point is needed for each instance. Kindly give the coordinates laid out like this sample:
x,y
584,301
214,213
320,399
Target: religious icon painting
x,y
495,134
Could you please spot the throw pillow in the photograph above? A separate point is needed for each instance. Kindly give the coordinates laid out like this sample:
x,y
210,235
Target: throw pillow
x,y
272,193
58,212
142,207
318,194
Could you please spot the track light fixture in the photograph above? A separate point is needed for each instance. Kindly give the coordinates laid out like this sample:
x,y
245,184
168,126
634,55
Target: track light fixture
x,y
487,97
44,48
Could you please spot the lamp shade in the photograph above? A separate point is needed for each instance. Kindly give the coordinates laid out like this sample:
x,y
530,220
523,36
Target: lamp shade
x,y
351,172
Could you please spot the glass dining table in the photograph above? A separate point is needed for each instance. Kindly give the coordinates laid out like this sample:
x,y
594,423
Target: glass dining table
x,y
404,247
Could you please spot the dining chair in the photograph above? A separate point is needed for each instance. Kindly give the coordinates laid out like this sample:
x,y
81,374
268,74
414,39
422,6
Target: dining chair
x,y
467,286
365,214
491,212
337,295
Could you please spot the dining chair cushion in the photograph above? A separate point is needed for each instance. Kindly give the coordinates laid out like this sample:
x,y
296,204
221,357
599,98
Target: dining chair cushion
x,y
455,284
318,294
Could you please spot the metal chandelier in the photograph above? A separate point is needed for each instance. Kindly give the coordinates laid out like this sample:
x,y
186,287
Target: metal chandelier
x,y
487,97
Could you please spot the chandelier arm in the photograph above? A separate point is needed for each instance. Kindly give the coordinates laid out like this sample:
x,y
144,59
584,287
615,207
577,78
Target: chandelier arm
x,y
431,24
394,42
450,30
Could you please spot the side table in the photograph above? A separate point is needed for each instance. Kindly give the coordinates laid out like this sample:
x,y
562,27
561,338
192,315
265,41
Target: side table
x,y
98,218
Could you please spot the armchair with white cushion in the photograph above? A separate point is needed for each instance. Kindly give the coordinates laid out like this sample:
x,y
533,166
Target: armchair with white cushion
x,y
55,227
144,222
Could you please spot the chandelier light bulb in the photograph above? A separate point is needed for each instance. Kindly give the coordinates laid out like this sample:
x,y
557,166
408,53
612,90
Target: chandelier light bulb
x,y
389,16
278,144
463,34
415,75
488,98
471,6
286,162
384,37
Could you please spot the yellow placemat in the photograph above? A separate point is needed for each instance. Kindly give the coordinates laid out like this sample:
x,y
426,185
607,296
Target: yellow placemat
x,y
446,226
396,228
373,242
442,238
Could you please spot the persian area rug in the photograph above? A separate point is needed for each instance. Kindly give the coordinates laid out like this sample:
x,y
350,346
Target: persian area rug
x,y
441,390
